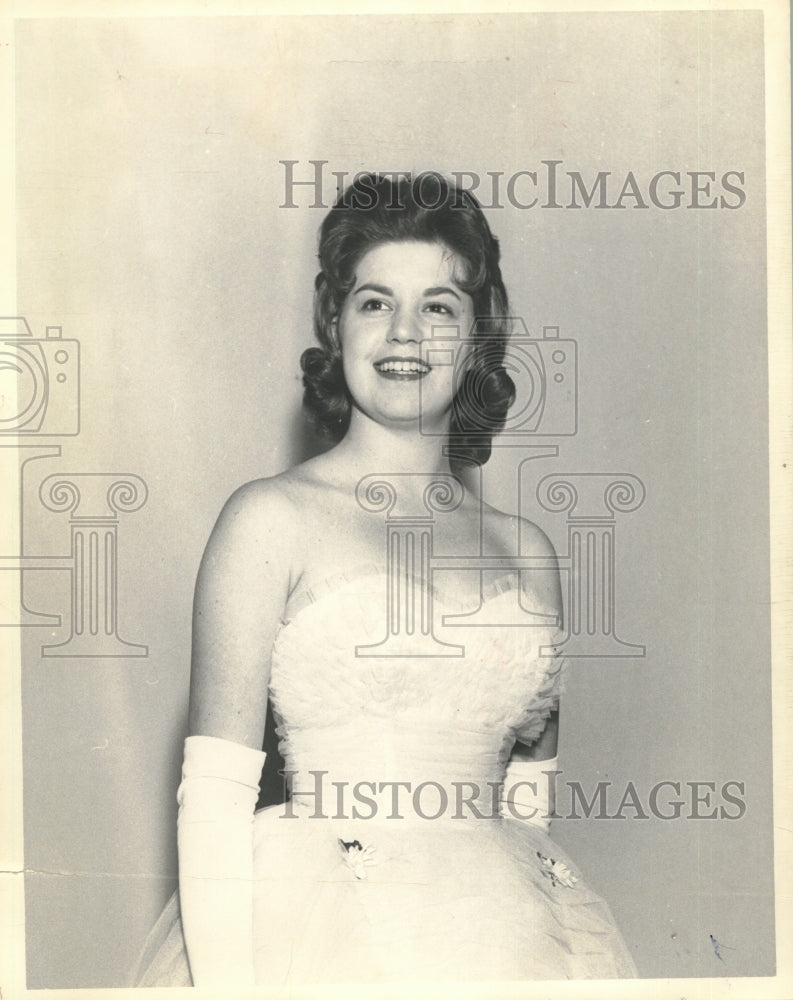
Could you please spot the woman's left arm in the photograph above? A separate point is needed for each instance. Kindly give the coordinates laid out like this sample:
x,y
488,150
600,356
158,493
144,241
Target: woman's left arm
x,y
529,784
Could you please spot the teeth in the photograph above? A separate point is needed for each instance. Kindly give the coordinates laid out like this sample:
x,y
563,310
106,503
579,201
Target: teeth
x,y
406,367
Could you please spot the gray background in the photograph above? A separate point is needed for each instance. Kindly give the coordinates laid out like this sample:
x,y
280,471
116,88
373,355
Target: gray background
x,y
149,228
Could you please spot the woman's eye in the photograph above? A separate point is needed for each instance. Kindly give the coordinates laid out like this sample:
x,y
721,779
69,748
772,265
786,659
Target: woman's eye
x,y
374,305
438,307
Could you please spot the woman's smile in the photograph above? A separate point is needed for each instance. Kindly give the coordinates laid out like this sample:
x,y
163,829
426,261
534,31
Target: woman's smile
x,y
402,368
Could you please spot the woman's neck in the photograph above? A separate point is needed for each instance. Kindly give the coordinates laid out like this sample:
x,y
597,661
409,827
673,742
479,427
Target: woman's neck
x,y
371,448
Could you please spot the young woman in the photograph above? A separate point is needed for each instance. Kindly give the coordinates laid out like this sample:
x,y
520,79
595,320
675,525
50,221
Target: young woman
x,y
415,843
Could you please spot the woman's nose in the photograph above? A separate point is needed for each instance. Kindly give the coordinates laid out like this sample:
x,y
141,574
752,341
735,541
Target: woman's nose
x,y
404,329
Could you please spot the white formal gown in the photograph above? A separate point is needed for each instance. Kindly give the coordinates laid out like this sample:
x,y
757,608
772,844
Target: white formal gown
x,y
426,881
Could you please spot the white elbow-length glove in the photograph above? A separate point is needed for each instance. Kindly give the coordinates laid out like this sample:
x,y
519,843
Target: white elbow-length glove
x,y
526,795
217,798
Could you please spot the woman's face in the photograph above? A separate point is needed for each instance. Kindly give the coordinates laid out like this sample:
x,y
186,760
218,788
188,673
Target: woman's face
x,y
402,290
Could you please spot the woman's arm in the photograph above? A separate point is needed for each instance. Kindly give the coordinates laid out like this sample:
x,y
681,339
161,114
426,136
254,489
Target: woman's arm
x,y
243,583
545,747
240,594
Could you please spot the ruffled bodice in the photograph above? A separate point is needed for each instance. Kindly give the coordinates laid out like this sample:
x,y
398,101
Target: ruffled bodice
x,y
346,709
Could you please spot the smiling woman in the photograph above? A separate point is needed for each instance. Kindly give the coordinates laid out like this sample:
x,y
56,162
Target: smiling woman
x,y
450,261
444,868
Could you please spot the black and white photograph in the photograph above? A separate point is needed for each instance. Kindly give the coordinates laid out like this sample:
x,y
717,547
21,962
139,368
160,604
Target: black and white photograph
x,y
395,429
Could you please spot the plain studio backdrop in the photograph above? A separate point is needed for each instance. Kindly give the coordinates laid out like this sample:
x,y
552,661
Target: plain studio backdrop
x,y
150,228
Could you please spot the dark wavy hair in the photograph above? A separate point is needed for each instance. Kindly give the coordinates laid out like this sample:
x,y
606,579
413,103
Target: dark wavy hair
x,y
377,209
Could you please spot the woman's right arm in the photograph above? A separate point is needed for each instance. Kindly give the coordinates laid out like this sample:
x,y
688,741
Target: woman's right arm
x,y
243,583
242,586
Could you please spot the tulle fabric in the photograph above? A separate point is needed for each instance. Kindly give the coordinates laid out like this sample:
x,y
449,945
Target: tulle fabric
x,y
361,880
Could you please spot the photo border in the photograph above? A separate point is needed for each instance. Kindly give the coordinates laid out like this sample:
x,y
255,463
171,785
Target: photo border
x,y
777,121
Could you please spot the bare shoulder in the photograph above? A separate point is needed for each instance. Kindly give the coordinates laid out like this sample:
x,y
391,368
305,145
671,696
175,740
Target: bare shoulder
x,y
517,534
261,511
277,504
275,518
525,539
261,497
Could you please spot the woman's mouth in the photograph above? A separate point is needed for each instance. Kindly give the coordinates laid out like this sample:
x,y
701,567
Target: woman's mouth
x,y
402,368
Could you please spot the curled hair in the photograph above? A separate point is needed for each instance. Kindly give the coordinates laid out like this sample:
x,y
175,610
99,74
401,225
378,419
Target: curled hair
x,y
377,209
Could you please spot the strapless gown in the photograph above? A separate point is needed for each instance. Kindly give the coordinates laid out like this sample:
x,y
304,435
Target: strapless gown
x,y
391,863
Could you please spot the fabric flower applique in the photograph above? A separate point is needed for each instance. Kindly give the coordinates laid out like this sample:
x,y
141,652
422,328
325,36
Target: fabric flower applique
x,y
357,856
557,872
